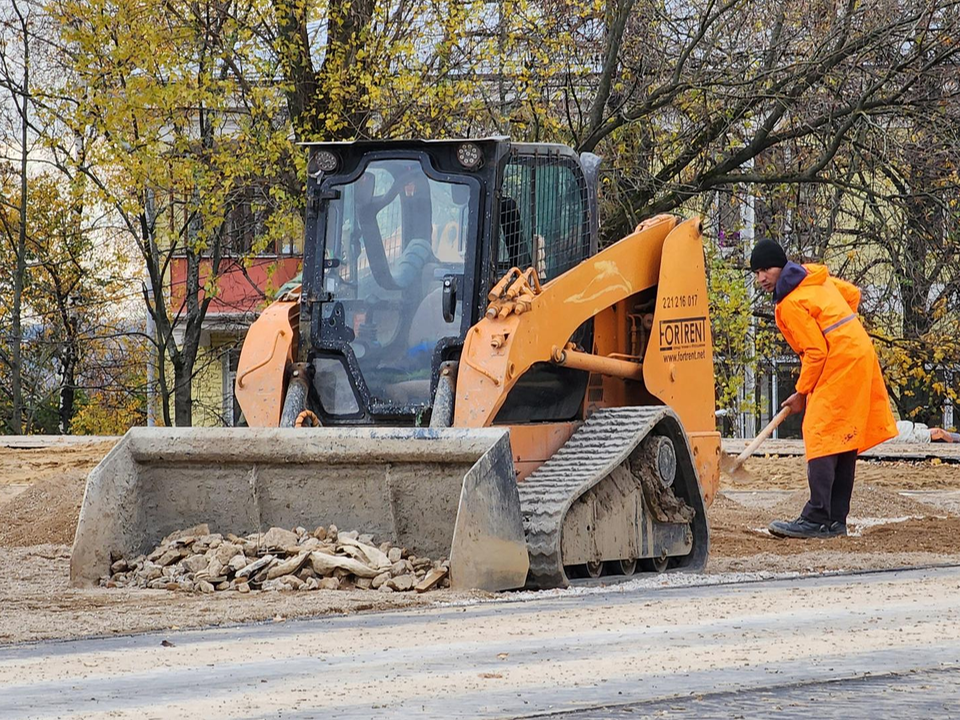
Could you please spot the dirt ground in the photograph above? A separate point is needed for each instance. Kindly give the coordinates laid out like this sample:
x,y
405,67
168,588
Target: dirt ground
x,y
789,473
41,492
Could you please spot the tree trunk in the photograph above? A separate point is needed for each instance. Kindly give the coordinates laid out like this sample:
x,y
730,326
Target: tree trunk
x,y
68,386
310,101
918,400
183,394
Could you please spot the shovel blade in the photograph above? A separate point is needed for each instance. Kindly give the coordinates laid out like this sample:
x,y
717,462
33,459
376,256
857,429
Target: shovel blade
x,y
733,469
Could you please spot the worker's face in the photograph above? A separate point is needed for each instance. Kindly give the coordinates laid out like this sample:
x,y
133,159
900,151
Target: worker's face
x,y
767,278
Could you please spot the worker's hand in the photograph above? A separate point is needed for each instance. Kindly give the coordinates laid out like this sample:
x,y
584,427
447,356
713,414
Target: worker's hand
x,y
796,402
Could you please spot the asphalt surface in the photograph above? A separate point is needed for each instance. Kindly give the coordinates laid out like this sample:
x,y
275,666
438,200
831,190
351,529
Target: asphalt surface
x,y
924,694
863,646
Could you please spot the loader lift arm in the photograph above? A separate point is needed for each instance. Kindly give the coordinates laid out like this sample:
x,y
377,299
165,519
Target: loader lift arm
x,y
524,326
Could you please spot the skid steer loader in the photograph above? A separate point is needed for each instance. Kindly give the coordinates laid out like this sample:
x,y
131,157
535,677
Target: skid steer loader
x,y
462,372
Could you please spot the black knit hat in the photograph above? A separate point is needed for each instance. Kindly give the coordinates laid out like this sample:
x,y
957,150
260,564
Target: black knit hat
x,y
767,254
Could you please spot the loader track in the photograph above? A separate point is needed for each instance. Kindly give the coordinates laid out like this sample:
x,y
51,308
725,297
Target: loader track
x,y
604,441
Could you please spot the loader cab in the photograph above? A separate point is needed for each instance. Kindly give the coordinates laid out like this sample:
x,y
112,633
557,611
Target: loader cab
x,y
403,241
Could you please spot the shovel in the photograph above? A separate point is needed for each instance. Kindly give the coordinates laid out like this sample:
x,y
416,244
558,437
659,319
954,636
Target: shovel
x,y
734,467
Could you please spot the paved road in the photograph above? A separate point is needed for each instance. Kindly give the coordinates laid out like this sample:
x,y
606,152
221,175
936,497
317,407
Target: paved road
x,y
924,694
874,645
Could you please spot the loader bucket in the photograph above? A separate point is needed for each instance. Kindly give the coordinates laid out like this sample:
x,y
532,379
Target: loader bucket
x,y
438,492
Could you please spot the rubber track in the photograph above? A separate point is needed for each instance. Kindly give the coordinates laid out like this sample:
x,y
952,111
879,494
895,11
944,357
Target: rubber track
x,y
604,441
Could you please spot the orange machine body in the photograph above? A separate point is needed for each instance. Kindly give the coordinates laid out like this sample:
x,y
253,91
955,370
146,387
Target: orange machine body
x,y
268,353
647,296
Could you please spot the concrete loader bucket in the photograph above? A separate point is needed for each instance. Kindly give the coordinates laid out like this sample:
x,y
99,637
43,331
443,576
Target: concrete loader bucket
x,y
439,493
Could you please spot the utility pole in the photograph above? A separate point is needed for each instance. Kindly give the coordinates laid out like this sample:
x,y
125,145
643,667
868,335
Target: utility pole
x,y
748,425
151,329
16,351
501,49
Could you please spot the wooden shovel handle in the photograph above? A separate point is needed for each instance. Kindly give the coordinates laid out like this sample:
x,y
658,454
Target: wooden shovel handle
x,y
764,434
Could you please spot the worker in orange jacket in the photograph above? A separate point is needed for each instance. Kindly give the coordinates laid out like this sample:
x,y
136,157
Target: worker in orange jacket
x,y
840,384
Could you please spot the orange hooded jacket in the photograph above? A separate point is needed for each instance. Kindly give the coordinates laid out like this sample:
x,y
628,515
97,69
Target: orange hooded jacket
x,y
847,404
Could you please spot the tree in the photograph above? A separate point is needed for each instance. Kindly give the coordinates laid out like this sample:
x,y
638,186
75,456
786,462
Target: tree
x,y
174,113
173,132
384,70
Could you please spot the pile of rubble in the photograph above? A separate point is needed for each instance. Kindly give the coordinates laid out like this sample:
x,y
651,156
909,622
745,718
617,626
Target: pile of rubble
x,y
196,560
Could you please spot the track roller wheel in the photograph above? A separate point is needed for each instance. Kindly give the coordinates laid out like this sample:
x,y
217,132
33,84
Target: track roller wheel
x,y
657,565
624,567
593,569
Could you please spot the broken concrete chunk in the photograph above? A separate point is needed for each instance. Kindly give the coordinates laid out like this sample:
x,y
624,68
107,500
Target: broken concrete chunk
x,y
306,573
151,571
256,566
278,538
287,566
421,563
195,532
214,540
403,582
225,552
379,580
292,581
215,568
196,563
328,583
169,557
324,564
199,561
371,555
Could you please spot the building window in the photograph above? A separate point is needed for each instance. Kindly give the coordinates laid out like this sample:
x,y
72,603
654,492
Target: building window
x,y
245,223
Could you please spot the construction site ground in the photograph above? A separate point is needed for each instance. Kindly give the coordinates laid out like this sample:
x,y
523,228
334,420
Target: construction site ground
x,y
905,513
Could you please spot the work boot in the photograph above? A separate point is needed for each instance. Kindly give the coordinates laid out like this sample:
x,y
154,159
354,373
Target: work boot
x,y
838,529
800,528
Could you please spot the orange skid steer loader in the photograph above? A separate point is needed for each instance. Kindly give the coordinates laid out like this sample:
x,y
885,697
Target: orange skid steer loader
x,y
461,372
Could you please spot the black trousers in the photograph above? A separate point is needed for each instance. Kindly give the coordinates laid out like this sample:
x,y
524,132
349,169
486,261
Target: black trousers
x,y
831,486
